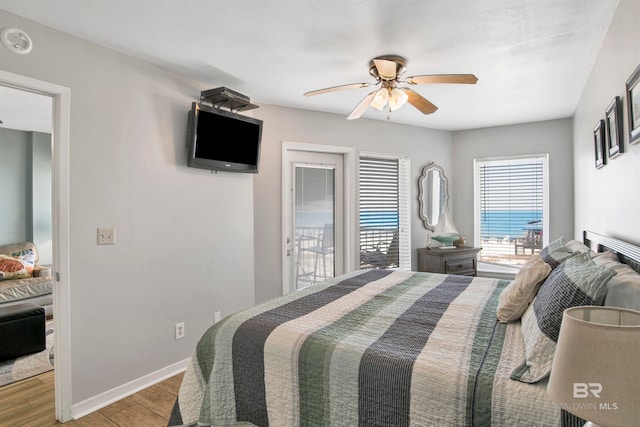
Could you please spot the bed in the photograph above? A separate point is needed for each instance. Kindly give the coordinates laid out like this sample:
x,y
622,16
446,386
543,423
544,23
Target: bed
x,y
375,348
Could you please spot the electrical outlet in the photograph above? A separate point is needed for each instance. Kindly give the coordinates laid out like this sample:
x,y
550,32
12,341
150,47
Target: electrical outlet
x,y
106,236
216,317
179,330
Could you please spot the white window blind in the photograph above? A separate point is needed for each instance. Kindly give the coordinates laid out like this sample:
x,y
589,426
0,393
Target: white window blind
x,y
510,208
385,237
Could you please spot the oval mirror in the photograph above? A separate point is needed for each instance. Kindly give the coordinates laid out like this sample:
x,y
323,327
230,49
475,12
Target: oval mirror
x,y
433,196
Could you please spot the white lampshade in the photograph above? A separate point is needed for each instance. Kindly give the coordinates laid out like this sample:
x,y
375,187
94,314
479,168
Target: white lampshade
x,y
397,99
380,99
596,368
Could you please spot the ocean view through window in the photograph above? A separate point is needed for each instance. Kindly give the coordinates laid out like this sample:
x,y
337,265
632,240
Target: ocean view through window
x,y
384,212
511,201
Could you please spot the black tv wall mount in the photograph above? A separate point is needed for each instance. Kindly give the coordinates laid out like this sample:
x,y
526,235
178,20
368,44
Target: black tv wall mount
x,y
223,97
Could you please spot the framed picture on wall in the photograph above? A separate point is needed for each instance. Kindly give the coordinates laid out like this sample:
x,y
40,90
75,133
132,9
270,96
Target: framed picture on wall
x,y
633,106
598,141
614,128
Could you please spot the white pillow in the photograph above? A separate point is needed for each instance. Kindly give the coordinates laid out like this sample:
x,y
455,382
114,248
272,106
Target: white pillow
x,y
624,288
517,296
577,246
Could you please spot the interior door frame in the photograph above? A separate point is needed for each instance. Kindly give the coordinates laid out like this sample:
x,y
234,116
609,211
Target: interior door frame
x,y
350,203
60,212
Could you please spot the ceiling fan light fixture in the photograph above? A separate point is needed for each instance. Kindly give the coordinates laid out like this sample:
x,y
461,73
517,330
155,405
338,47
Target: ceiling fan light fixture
x,y
380,99
397,98
386,70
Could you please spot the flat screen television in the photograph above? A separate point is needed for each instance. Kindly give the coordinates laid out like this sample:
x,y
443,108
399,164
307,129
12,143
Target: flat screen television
x,y
220,140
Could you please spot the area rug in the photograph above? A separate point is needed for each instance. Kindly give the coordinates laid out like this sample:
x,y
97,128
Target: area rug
x,y
30,365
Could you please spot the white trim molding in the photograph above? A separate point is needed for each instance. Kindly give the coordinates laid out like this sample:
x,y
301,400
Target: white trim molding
x,y
101,400
506,268
61,265
351,222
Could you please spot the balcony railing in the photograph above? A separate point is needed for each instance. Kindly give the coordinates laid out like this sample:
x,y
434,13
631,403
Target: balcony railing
x,y
314,252
314,255
379,247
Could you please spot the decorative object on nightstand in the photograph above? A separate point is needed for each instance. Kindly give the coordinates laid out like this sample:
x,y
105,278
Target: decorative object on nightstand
x,y
446,240
594,373
445,232
462,261
460,242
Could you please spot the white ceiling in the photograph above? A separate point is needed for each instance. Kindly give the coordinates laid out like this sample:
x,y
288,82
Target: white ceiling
x,y
532,57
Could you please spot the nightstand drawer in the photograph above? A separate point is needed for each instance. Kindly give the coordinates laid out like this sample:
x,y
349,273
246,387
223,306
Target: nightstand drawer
x,y
460,266
460,261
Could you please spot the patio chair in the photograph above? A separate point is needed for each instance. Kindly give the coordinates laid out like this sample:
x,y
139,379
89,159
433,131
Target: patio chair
x,y
379,258
323,249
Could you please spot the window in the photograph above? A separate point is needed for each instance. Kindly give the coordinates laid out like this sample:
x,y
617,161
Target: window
x,y
511,208
385,235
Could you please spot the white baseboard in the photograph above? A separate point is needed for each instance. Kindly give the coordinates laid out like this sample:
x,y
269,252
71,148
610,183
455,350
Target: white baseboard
x,y
92,404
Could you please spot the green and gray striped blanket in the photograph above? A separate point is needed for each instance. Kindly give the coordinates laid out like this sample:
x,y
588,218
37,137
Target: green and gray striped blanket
x,y
371,348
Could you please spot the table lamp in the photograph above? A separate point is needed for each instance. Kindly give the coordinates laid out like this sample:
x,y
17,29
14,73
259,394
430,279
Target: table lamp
x,y
596,368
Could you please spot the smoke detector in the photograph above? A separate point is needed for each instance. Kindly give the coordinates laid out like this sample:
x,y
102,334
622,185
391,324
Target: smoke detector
x,y
16,40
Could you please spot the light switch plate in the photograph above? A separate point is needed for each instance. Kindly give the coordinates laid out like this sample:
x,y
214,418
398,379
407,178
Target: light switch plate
x,y
106,236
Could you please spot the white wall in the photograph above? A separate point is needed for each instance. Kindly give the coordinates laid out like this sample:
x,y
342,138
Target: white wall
x,y
25,201
184,236
553,137
287,124
185,242
608,200
13,176
41,197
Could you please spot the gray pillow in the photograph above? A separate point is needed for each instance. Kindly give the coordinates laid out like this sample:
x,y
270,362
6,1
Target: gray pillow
x,y
577,281
555,252
576,246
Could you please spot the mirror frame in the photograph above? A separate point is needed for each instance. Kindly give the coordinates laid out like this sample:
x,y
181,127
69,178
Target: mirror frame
x,y
426,221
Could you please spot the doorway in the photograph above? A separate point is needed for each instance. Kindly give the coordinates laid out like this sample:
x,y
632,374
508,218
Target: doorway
x,y
316,228
316,214
60,229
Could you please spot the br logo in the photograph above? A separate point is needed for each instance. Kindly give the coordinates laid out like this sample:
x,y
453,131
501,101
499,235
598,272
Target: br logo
x,y
583,390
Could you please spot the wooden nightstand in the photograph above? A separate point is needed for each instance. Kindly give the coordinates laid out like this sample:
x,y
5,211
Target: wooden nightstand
x,y
462,261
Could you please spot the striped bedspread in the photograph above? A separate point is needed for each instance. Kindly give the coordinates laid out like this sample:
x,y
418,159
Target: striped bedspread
x,y
372,348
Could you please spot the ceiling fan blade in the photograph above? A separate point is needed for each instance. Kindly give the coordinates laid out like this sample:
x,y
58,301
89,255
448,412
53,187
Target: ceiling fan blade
x,y
362,106
386,69
443,78
419,101
334,88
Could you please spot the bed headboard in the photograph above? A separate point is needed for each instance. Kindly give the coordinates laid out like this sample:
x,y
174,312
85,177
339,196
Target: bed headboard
x,y
625,291
628,253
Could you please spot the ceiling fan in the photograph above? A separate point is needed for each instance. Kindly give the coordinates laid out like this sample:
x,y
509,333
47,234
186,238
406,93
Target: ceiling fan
x,y
387,70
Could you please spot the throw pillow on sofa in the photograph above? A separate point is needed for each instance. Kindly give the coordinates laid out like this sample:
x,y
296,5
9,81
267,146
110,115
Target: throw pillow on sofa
x,y
13,268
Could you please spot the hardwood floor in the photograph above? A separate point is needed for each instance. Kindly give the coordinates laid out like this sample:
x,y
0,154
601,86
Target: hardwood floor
x,y
30,403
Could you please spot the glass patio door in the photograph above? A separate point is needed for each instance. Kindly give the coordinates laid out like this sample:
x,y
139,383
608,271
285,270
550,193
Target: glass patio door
x,y
314,243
